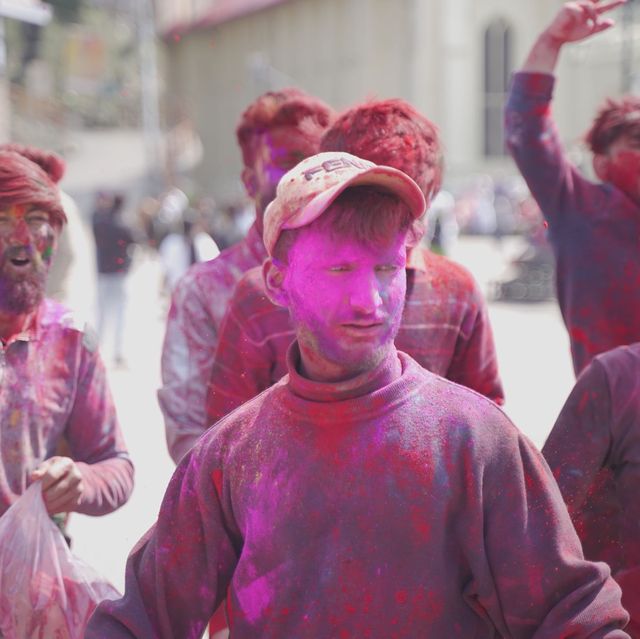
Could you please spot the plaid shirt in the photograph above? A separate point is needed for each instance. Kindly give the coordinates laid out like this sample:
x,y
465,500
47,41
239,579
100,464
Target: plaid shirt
x,y
198,305
445,328
594,229
53,387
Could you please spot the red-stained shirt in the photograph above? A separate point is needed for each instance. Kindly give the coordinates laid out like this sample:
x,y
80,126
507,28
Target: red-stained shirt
x,y
198,305
53,386
594,453
396,504
594,229
445,328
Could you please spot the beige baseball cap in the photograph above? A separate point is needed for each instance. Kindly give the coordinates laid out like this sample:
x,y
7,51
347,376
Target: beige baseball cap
x,y
306,191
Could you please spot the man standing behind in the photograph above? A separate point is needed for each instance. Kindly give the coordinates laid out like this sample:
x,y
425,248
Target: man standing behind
x,y
275,132
52,380
360,496
445,325
594,453
593,228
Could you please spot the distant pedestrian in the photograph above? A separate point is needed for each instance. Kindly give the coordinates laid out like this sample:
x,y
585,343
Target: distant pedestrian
x,y
188,244
114,244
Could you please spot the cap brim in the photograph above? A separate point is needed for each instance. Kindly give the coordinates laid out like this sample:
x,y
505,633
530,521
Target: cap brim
x,y
386,177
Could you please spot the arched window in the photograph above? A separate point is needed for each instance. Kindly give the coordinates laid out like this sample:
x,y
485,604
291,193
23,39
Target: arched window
x,y
497,69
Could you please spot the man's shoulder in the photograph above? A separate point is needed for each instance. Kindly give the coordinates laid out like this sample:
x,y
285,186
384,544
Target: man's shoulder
x,y
54,316
459,413
444,274
250,419
250,297
225,270
622,362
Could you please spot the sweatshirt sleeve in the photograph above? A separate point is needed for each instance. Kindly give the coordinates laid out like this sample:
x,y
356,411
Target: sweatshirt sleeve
x,y
474,363
96,442
187,357
178,573
534,143
535,582
581,438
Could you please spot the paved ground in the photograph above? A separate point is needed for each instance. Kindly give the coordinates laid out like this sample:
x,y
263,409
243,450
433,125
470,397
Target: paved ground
x,y
532,350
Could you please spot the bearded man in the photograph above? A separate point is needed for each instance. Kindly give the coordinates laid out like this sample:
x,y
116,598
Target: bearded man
x,y
53,386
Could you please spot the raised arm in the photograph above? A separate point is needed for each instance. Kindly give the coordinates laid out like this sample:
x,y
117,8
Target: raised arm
x,y
531,135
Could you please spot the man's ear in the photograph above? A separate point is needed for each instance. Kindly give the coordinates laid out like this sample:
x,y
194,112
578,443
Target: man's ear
x,y
273,273
601,166
249,181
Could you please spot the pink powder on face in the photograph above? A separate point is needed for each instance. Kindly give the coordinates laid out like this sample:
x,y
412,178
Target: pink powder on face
x,y
346,300
27,245
277,150
624,172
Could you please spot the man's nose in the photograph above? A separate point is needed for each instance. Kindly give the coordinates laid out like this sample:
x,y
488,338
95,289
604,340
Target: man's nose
x,y
366,295
20,233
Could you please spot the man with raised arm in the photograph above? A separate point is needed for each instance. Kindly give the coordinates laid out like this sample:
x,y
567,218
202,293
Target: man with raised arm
x,y
445,324
361,495
593,227
275,132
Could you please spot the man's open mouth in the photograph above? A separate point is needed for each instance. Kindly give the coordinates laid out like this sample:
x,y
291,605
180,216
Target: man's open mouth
x,y
20,261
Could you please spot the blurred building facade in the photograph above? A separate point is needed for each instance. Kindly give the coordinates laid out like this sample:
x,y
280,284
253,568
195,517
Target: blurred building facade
x,y
451,59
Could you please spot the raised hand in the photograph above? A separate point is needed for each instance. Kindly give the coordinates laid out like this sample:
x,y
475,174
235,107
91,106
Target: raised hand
x,y
574,21
579,20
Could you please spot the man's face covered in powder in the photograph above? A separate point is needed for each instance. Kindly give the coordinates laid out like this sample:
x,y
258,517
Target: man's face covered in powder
x,y
276,151
623,166
346,299
27,244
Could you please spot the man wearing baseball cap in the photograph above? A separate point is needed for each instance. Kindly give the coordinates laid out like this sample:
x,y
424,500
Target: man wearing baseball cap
x,y
445,323
361,495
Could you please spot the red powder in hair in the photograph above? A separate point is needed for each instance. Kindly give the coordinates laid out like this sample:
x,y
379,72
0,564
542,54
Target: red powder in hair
x,y
288,107
616,119
392,133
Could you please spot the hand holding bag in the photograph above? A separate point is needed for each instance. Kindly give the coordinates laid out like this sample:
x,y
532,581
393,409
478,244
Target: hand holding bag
x,y
45,591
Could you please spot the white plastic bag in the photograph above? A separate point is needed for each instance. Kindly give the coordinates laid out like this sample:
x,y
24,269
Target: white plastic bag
x,y
45,591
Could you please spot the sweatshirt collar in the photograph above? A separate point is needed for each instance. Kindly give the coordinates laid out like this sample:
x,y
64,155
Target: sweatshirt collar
x,y
386,372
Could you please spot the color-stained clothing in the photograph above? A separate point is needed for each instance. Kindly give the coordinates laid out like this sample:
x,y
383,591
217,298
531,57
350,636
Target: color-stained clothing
x,y
594,229
53,386
394,504
198,305
594,453
445,328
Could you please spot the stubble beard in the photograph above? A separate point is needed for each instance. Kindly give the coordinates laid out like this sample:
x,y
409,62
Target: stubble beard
x,y
23,295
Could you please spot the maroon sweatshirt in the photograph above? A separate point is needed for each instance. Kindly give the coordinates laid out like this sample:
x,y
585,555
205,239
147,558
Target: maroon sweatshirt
x,y
593,228
594,453
397,504
445,328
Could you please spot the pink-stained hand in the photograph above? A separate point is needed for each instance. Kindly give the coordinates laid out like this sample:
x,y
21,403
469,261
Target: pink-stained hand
x,y
579,20
62,484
